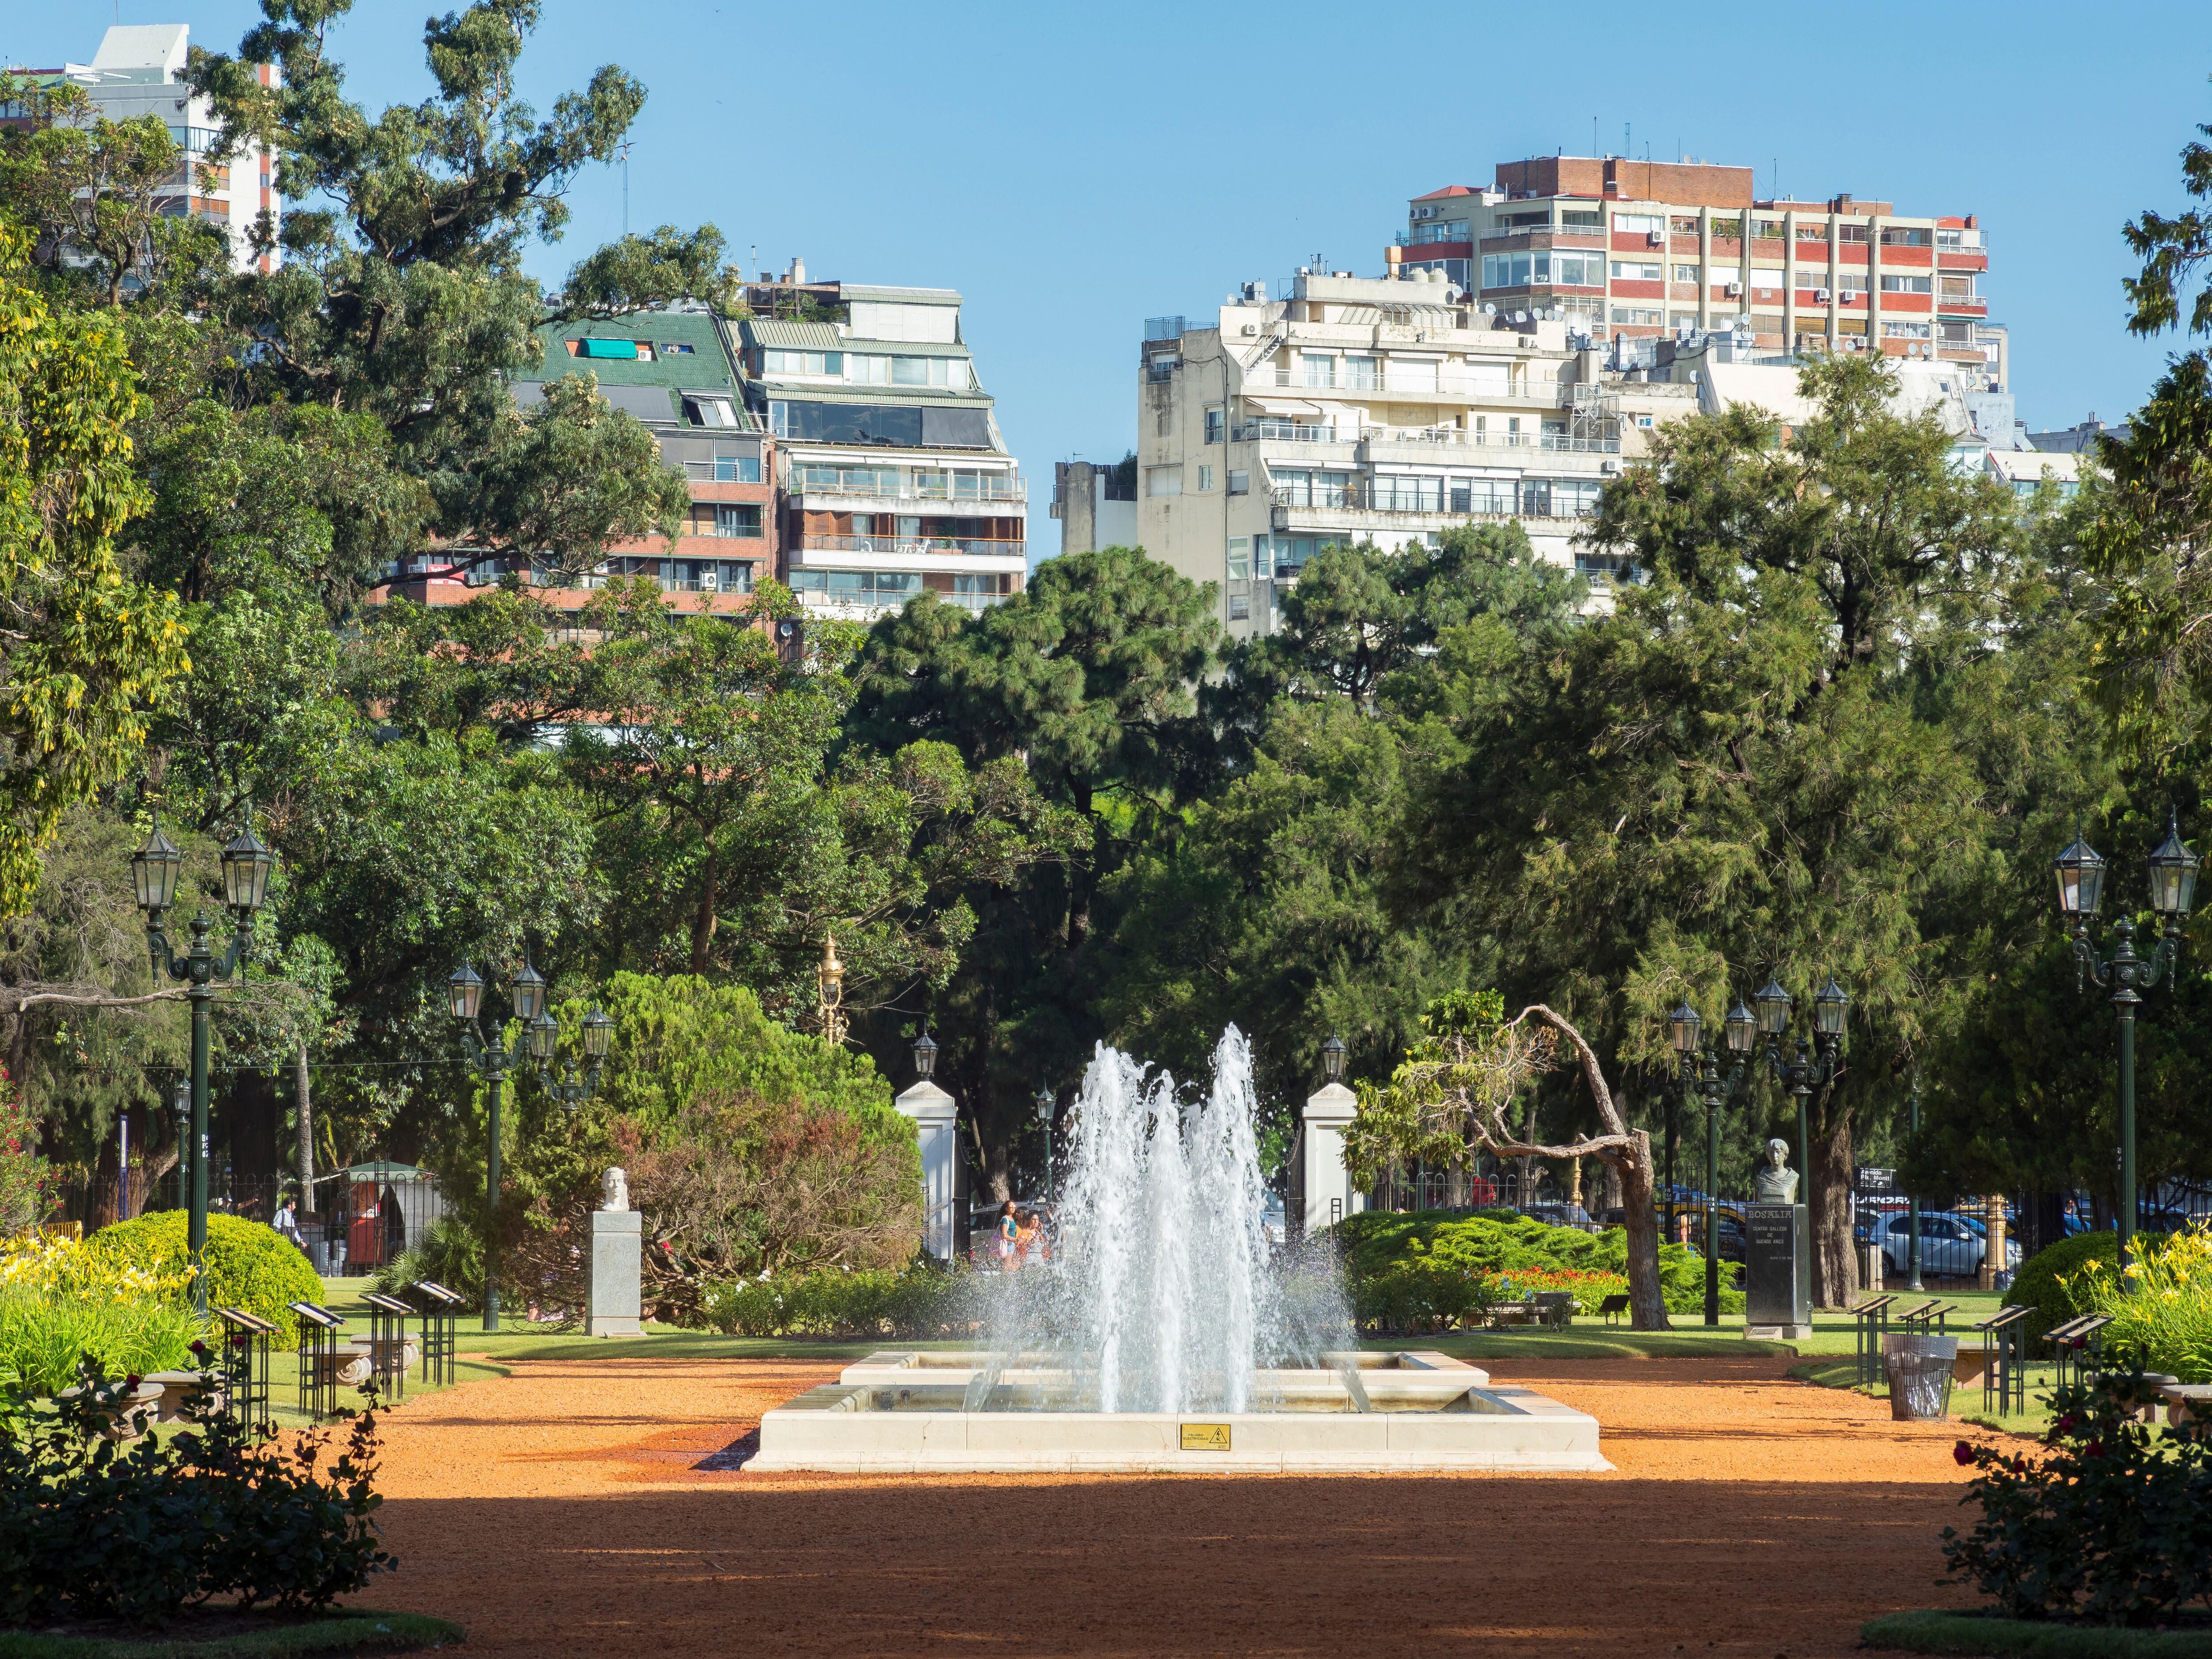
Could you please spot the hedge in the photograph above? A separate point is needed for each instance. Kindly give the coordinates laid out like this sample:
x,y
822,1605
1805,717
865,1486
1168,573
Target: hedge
x,y
2040,1281
249,1264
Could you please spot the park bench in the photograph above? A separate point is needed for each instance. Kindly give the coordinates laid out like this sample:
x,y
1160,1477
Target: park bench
x,y
1555,1308
1934,1312
2004,1359
2078,1345
1614,1306
1870,1323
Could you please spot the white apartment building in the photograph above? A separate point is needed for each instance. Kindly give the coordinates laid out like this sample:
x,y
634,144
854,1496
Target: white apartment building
x,y
138,70
1359,408
893,476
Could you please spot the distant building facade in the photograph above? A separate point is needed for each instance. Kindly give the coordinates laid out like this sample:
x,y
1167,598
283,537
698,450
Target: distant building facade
x,y
1095,504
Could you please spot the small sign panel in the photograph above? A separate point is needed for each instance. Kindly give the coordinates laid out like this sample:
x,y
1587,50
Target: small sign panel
x,y
1205,1437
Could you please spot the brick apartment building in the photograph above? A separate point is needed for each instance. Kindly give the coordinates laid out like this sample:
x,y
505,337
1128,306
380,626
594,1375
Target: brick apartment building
x,y
1620,248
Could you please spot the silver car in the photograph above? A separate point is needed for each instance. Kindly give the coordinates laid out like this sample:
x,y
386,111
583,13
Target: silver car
x,y
1951,1246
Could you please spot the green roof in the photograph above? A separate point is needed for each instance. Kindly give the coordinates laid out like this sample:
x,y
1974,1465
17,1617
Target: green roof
x,y
704,367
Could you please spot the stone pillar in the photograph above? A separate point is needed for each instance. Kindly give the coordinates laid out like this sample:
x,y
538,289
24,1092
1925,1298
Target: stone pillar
x,y
1328,1195
1993,1232
618,1241
934,1113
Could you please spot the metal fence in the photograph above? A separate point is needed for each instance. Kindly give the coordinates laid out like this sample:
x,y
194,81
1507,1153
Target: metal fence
x,y
363,1217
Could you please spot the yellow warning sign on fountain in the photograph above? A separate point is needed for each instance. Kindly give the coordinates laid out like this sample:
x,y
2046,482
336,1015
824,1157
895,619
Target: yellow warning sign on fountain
x,y
1205,1437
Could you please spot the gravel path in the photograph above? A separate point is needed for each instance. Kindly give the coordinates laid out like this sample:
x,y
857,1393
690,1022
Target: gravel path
x,y
563,1511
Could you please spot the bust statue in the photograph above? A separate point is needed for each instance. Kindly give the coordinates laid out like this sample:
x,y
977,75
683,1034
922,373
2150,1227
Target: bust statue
x,y
1777,1181
614,1190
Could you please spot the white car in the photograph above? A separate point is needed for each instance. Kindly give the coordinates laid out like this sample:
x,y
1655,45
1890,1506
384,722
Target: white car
x,y
1951,1246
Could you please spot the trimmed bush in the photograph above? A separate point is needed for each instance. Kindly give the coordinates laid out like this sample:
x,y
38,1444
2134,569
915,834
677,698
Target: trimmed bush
x,y
926,1301
249,1266
1494,1245
2044,1280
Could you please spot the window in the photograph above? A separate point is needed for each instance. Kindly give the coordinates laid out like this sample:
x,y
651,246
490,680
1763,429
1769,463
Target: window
x,y
974,584
1955,240
1300,486
1360,374
871,370
1240,607
1213,419
1766,227
1628,271
1905,236
900,425
802,363
1638,224
1480,495
1851,232
1636,317
1320,371
1812,279
1396,495
1240,559
1679,320
1683,225
1240,484
1557,498
1164,481
1205,481
1571,219
1686,273
710,411
736,469
668,348
1957,287
1891,331
1906,284
730,518
853,587
1578,270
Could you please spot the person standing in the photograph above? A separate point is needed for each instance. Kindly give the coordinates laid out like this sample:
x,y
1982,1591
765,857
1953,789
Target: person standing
x,y
286,1221
1009,1232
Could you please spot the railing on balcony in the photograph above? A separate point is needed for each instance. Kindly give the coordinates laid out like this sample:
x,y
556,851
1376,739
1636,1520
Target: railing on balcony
x,y
1443,386
1452,230
849,604
726,471
1275,430
912,546
1536,499
1483,438
884,484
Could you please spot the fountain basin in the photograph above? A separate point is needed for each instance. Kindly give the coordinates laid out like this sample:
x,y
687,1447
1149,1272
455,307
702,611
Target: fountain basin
x,y
980,1413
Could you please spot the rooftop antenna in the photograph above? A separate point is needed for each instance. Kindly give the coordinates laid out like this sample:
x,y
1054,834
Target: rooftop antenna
x,y
624,153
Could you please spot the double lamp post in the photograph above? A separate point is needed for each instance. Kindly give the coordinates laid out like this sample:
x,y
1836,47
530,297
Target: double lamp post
x,y
491,1059
1813,1066
2080,874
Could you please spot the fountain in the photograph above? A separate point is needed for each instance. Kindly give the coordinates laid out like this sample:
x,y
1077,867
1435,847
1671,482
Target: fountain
x,y
1167,1334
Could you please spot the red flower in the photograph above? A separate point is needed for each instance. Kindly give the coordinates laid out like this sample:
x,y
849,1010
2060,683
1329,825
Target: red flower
x,y
2020,1466
1963,1453
2094,1449
132,1380
2064,1424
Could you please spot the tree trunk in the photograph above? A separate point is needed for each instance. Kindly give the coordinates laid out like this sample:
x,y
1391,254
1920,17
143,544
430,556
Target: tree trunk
x,y
1609,1186
1647,1297
1835,1263
304,1141
702,919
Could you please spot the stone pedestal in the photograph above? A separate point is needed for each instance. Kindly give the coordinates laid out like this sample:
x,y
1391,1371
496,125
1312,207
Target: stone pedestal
x,y
617,1238
1778,1271
933,1114
1324,1193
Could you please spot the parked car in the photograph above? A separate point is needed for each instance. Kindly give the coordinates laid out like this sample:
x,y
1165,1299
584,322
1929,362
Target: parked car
x,y
1952,1246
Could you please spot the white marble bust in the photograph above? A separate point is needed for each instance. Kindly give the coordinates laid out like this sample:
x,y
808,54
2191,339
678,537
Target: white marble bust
x,y
1777,1181
614,1190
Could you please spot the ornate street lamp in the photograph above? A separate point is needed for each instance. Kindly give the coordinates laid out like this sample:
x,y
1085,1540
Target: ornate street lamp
x,y
1332,1054
1044,1109
830,991
1817,1061
2080,872
492,1059
925,1056
1701,1073
154,870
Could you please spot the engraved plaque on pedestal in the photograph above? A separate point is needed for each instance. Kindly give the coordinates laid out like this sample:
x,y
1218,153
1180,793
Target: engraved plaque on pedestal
x,y
1777,1271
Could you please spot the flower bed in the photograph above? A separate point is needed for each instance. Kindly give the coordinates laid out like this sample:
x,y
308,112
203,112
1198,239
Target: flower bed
x,y
2160,1303
62,1299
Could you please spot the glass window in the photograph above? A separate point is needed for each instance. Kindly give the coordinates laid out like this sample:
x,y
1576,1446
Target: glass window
x,y
1636,317
1320,370
867,370
1906,284
735,519
1401,495
1205,480
1240,607
1164,481
1213,418
1628,271
1521,268
1638,224
1686,273
1240,559
736,469
909,371
1359,373
1240,483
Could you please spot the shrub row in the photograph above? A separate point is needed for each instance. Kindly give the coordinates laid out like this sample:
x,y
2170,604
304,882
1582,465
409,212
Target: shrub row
x,y
923,1302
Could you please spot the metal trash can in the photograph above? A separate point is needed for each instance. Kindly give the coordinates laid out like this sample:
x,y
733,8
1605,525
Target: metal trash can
x,y
1919,1368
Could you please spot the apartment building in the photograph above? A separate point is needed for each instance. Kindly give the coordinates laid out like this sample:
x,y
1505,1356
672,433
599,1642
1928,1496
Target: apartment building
x,y
1356,409
1626,249
671,369
139,70
1096,503
893,477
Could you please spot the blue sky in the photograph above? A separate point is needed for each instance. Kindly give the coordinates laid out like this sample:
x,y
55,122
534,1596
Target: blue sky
x,y
1074,172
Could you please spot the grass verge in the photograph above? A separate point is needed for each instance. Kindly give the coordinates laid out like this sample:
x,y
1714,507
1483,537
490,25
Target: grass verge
x,y
349,1631
1976,1633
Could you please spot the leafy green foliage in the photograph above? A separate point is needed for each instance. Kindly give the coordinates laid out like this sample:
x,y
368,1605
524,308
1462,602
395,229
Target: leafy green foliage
x,y
248,1265
92,1528
2045,1282
2160,1304
449,1252
640,273
2111,1523
25,1198
1480,1247
45,1334
925,1301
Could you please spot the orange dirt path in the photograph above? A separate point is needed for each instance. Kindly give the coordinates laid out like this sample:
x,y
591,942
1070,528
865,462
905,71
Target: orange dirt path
x,y
559,1512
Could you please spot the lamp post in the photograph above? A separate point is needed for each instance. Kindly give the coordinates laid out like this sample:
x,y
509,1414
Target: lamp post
x,y
1816,1062
2080,874
181,1104
830,991
492,1059
155,868
1701,1072
1044,1105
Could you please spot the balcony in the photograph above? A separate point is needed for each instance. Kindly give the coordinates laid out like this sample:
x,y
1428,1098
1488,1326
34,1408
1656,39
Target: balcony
x,y
887,484
918,546
1274,430
1481,438
866,607
1345,503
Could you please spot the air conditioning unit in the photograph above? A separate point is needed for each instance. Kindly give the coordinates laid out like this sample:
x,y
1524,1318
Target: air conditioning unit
x,y
1251,328
1850,294
1654,238
709,581
1734,291
1820,295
